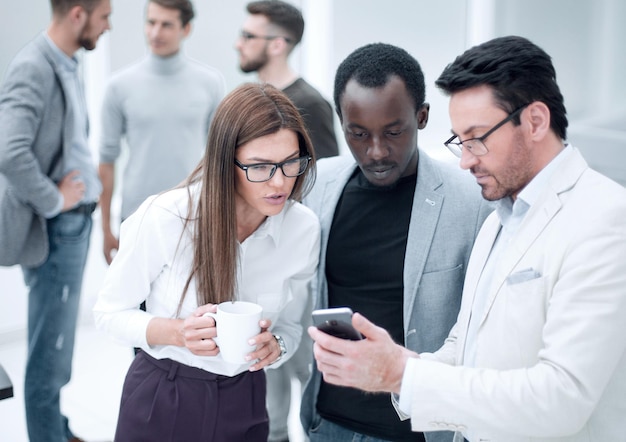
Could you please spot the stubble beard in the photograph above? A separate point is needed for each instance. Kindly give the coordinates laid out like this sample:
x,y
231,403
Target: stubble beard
x,y
515,176
253,65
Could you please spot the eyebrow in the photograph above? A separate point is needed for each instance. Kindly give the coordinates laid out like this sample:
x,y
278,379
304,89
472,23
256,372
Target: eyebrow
x,y
386,126
264,160
470,129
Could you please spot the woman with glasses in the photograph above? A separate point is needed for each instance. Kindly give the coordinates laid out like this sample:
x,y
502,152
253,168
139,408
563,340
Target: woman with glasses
x,y
233,231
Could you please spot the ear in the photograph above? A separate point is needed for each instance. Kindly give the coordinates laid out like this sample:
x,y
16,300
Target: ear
x,y
278,46
422,116
187,30
78,15
538,120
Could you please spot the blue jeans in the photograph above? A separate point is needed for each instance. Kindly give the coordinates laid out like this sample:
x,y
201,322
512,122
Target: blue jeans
x,y
327,431
53,300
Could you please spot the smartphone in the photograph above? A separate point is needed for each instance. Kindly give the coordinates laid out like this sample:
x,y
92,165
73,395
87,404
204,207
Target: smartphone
x,y
336,322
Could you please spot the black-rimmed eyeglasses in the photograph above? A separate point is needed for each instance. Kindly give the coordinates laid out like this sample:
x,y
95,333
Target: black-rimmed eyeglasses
x,y
477,145
246,36
260,172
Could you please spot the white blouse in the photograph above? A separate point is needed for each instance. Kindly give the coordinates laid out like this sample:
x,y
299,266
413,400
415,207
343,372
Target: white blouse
x,y
275,267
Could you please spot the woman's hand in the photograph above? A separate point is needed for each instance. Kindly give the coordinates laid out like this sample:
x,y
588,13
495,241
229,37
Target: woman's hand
x,y
267,348
198,332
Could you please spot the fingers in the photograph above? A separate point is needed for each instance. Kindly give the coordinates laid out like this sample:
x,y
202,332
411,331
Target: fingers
x,y
72,188
267,351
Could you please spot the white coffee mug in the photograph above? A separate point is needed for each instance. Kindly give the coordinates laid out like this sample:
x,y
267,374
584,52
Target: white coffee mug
x,y
236,323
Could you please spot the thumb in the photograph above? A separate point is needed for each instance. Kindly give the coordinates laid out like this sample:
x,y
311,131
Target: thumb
x,y
363,325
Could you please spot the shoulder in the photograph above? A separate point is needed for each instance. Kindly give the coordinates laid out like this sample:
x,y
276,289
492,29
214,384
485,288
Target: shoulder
x,y
328,168
300,213
452,178
32,63
303,94
166,207
299,221
128,74
208,73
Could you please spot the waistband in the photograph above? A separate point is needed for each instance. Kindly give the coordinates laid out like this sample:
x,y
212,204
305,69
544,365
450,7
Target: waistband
x,y
175,368
85,209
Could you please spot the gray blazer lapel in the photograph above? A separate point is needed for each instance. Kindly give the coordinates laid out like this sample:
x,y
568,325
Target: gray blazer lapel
x,y
324,202
56,169
427,203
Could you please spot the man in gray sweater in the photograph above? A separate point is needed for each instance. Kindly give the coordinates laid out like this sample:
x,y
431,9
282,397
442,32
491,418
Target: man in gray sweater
x,y
162,105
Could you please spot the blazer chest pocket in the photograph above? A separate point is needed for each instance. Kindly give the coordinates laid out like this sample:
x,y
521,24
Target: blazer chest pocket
x,y
525,307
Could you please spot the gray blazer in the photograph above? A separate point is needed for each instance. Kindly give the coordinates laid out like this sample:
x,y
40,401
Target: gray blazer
x,y
446,216
34,124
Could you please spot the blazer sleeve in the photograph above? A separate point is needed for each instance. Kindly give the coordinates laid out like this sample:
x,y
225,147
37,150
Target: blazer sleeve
x,y
25,97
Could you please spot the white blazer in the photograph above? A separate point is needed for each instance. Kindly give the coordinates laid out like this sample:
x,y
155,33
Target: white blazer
x,y
550,349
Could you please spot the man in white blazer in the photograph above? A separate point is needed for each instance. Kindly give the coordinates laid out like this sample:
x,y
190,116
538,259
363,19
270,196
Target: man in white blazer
x,y
538,349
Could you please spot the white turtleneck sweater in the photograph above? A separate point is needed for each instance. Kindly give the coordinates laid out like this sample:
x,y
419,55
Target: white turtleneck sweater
x,y
162,107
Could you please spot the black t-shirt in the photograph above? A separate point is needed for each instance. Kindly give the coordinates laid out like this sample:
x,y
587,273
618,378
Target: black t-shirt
x,y
364,269
318,117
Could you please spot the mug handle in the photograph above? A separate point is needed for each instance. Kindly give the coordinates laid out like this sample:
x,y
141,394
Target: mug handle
x,y
214,316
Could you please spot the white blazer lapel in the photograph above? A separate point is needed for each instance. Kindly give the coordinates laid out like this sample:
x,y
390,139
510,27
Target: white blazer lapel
x,y
482,248
536,220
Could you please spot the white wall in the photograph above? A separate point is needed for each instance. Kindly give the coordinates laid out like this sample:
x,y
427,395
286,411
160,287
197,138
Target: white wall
x,y
585,38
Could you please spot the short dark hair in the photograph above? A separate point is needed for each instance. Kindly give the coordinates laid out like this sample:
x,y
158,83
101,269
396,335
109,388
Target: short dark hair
x,y
61,7
281,14
518,71
184,7
372,65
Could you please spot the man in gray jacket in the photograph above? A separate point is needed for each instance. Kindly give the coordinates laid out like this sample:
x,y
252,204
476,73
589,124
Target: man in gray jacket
x,y
48,189
397,231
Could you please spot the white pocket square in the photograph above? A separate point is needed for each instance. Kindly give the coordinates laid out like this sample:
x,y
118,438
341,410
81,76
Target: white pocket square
x,y
522,276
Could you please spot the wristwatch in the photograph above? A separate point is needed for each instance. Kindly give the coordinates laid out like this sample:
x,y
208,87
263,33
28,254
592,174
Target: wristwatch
x,y
283,348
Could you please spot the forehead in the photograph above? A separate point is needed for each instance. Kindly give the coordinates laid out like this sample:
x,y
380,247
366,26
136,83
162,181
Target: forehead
x,y
471,108
255,23
389,102
272,147
158,12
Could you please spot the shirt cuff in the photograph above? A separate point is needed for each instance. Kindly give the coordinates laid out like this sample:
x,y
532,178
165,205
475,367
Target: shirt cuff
x,y
406,398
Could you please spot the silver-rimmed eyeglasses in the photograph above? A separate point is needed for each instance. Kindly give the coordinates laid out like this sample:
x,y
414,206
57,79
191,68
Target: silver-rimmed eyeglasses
x,y
477,145
260,172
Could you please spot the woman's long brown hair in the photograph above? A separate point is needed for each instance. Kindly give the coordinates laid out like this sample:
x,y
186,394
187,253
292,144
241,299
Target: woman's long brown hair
x,y
249,112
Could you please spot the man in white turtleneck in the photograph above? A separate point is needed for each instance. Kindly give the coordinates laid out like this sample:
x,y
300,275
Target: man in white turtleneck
x,y
162,106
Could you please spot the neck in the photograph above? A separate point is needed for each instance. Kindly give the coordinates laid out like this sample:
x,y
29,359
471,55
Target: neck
x,y
248,220
63,38
166,65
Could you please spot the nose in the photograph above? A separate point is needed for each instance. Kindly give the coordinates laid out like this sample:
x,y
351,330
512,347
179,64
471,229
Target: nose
x,y
154,31
468,159
377,150
278,179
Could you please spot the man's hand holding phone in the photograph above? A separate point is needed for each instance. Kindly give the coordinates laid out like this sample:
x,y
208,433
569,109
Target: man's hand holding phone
x,y
372,363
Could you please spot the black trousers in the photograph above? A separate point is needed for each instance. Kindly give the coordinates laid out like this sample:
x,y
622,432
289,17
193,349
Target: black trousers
x,y
164,400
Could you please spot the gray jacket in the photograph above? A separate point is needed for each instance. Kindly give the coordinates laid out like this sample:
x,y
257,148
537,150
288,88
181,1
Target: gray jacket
x,y
34,124
446,216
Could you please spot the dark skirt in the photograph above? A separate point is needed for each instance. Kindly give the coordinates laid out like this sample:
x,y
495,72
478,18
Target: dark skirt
x,y
164,400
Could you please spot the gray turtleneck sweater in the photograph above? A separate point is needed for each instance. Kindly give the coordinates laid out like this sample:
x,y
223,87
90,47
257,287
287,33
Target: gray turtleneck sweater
x,y
162,107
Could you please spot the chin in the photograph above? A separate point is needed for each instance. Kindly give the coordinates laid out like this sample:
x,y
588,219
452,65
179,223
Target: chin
x,y
88,44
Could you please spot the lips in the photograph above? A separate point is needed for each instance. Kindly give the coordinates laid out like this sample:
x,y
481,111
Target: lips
x,y
380,171
276,199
